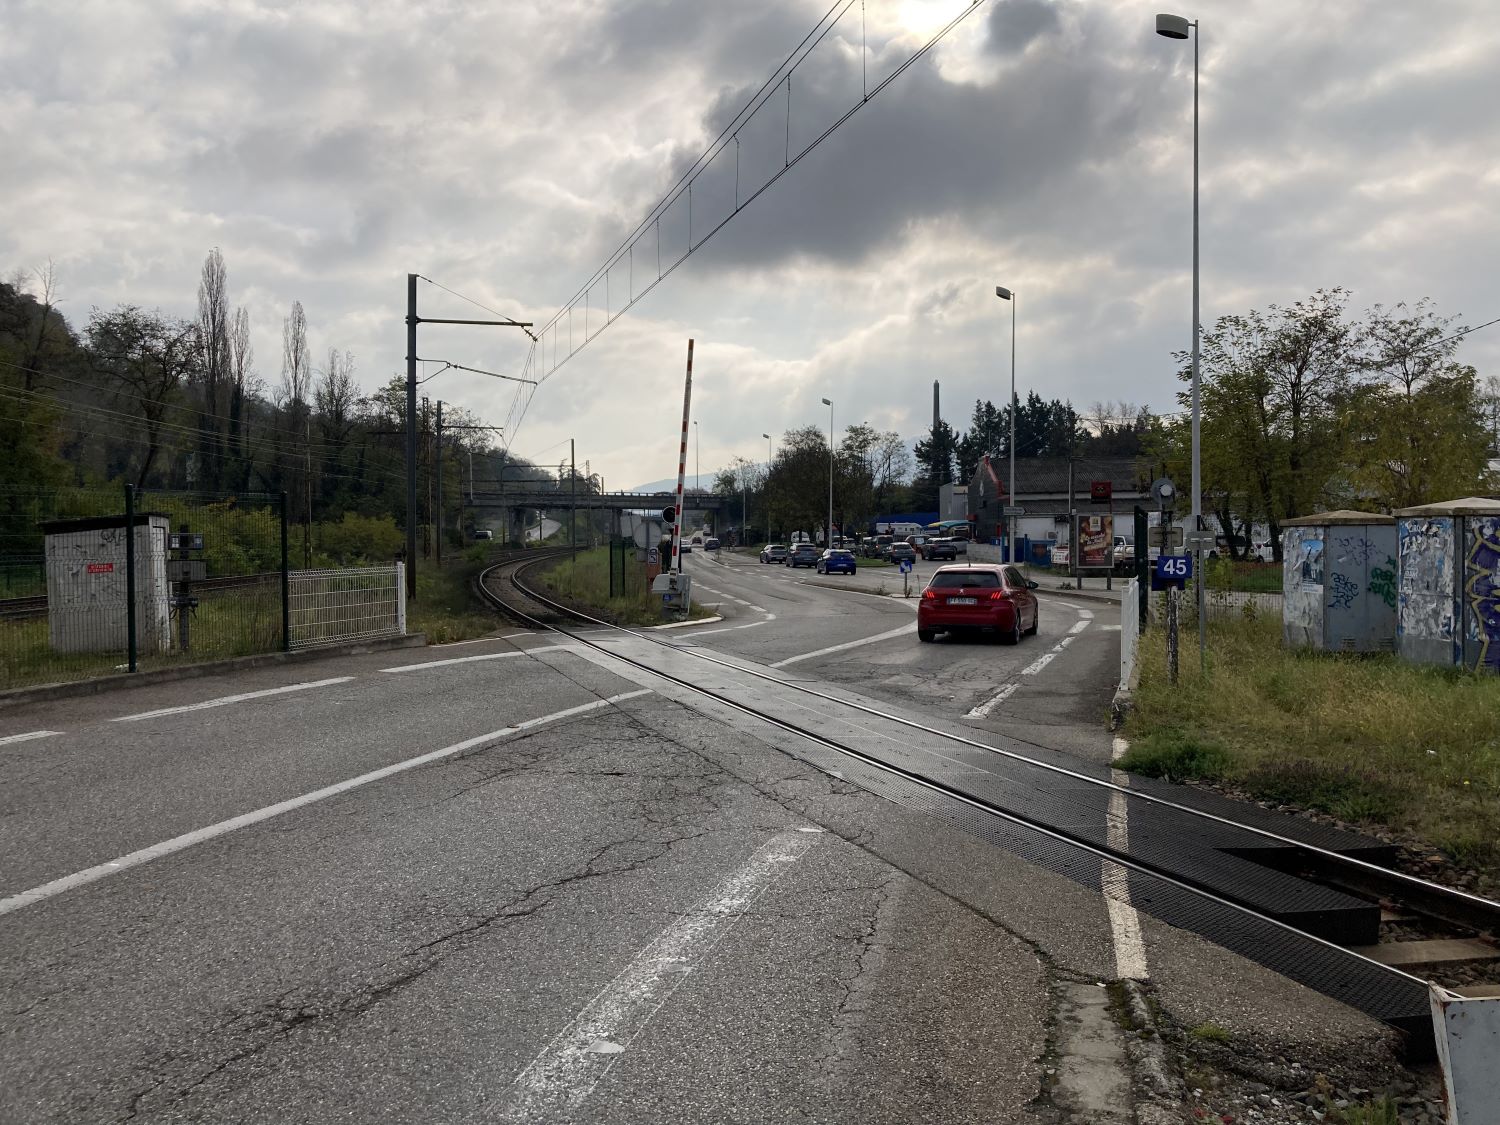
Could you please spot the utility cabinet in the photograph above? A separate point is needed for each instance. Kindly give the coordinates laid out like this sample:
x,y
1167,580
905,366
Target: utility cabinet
x,y
1449,591
87,609
1339,582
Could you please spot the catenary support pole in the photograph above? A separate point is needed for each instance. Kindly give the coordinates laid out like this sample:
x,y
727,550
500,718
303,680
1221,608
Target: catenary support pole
x,y
411,436
131,647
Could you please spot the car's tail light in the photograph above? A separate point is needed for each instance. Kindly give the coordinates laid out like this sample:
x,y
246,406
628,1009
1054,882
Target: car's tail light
x,y
929,595
1000,596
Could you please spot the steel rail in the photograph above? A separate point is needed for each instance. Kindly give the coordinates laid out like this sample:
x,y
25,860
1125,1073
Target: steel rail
x,y
1103,854
1432,899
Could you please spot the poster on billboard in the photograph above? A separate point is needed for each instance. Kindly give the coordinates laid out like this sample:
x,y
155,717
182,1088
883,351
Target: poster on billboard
x,y
1096,537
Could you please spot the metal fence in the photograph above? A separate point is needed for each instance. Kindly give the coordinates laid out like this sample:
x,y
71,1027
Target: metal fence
x,y
94,581
1219,605
332,606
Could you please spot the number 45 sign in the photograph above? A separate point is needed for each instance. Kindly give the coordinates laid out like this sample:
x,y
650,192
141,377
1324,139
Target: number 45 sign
x,y
1172,570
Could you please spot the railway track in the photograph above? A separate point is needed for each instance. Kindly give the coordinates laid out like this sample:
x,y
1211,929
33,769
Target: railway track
x,y
1401,934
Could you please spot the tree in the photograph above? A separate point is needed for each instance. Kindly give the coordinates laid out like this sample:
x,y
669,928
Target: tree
x,y
296,411
934,455
243,386
148,357
1417,428
213,367
988,436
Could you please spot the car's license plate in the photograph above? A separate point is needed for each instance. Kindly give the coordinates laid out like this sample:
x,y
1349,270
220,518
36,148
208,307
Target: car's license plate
x,y
963,601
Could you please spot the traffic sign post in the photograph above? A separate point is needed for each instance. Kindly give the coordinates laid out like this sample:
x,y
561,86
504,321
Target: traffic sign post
x,y
1172,572
905,565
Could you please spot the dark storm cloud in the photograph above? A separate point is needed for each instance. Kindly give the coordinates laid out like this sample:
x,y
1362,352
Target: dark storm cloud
x,y
1014,24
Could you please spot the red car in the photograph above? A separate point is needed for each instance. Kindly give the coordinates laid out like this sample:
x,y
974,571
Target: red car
x,y
979,596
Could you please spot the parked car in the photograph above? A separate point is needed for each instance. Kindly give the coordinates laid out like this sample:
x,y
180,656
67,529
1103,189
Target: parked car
x,y
836,562
773,553
899,551
919,544
710,544
483,534
978,597
803,554
941,549
877,546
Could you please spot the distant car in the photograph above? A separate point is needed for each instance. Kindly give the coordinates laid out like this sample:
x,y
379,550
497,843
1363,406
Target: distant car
x,y
941,549
773,553
899,551
710,544
803,554
478,535
685,549
836,562
978,597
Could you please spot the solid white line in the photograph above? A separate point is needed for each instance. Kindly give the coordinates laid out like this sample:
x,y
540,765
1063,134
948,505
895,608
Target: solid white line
x,y
730,628
482,640
225,700
28,736
453,660
1070,605
1124,922
561,1077
198,836
994,701
902,632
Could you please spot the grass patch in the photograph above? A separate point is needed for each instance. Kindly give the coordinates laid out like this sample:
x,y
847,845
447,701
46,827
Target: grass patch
x,y
1366,738
586,582
1382,1111
1171,754
445,607
1210,1033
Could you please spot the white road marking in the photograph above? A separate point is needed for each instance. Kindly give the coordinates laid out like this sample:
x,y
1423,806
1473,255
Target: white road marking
x,y
1070,605
1079,626
28,736
225,700
561,1077
905,631
1038,664
994,701
1124,922
1110,628
482,640
1086,614
453,660
731,628
188,839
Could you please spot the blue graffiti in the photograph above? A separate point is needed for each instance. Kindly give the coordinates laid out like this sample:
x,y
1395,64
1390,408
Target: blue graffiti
x,y
1483,588
1344,592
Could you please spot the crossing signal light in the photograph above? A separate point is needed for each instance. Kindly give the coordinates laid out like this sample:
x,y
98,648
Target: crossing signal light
x,y
669,513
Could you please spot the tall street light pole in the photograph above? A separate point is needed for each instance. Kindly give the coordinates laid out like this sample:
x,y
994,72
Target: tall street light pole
x,y
1009,295
1177,27
828,528
768,486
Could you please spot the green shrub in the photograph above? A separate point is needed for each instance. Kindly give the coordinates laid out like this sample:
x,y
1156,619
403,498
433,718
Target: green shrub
x,y
1176,756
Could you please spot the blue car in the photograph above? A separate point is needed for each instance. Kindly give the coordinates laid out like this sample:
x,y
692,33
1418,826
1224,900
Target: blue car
x,y
836,562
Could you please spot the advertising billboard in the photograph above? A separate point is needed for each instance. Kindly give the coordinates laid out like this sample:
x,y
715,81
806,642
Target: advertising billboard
x,y
1096,538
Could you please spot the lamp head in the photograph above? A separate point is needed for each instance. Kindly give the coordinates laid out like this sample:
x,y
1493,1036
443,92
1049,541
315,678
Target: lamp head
x,y
1173,27
1002,292
766,436
828,402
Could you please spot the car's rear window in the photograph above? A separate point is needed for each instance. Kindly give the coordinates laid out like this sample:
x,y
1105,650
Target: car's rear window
x,y
951,579
838,554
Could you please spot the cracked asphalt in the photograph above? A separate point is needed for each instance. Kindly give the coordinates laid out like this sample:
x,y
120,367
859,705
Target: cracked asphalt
x,y
406,948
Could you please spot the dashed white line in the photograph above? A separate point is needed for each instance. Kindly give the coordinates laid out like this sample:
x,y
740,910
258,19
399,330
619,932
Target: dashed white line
x,y
994,701
28,736
1079,626
198,836
453,660
1038,664
559,1079
225,700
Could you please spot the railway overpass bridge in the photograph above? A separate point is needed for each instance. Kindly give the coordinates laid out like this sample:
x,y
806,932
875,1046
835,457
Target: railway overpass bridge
x,y
516,501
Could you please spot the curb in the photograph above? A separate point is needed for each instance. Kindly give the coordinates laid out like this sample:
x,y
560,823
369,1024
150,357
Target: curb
x,y
42,693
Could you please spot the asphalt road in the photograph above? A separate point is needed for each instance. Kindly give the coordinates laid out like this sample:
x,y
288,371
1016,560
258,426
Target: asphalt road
x,y
504,881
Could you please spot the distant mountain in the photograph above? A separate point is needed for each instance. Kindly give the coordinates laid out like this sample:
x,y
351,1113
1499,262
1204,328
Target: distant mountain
x,y
670,484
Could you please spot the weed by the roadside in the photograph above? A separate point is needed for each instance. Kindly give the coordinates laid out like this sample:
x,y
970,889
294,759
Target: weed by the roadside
x,y
1210,1033
1381,1112
1345,791
1176,756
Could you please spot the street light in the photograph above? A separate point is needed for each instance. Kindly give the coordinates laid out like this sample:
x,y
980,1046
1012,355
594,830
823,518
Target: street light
x,y
1007,295
1176,27
768,486
828,528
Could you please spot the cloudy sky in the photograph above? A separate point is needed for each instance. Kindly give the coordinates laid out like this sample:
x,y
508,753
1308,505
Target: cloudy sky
x,y
507,149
